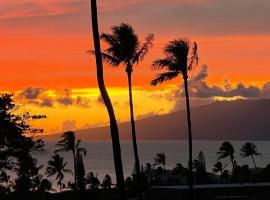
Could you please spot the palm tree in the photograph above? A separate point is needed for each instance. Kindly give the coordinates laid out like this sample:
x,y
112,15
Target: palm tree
x,y
69,143
181,57
108,104
124,48
160,159
57,167
250,149
218,167
226,150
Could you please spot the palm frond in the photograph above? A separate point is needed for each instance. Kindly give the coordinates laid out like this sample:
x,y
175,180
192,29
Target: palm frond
x,y
110,59
162,63
194,60
109,39
160,78
144,49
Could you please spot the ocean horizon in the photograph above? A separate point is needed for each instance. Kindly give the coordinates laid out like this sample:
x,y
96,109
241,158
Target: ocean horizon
x,y
99,158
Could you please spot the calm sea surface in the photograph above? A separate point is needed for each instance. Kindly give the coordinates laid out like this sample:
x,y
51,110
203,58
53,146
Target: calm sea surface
x,y
99,158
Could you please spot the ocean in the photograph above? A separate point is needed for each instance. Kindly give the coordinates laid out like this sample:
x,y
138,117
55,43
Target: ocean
x,y
99,158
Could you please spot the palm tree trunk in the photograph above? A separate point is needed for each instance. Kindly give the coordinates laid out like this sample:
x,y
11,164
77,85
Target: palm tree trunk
x,y
75,170
108,104
254,161
189,139
255,164
133,128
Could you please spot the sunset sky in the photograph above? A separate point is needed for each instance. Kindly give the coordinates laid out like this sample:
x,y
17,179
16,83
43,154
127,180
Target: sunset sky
x,y
43,58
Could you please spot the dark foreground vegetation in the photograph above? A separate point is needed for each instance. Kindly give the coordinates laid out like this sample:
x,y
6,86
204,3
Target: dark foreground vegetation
x,y
17,157
20,176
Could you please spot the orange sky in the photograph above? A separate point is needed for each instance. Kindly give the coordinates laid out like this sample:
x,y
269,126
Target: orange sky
x,y
43,44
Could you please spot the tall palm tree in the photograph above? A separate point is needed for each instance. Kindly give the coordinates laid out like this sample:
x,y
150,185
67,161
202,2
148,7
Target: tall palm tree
x,y
250,149
108,104
226,150
160,159
125,48
57,167
181,57
69,143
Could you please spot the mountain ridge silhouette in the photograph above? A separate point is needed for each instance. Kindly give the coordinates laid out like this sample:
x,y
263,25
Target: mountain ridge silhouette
x,y
221,120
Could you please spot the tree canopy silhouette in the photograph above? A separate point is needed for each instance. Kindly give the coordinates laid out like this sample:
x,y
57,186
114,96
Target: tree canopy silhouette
x,y
16,143
226,150
250,149
180,57
69,143
57,166
125,48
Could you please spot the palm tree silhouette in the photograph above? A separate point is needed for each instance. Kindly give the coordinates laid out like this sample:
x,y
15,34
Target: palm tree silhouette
x,y
181,57
160,159
250,149
219,168
108,103
124,48
57,167
226,150
69,143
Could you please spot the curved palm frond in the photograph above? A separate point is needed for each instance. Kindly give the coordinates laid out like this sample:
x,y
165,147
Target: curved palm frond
x,y
249,149
67,143
110,59
144,49
194,59
160,78
124,46
160,159
225,150
163,63
177,59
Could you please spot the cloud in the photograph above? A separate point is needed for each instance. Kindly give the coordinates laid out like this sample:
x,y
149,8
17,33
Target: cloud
x,y
31,93
42,97
46,102
201,92
200,88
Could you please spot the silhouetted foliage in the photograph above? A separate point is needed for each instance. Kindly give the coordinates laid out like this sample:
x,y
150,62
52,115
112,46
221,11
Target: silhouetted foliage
x,y
92,181
16,148
69,143
179,169
80,171
160,159
226,150
219,168
45,185
107,182
250,149
125,48
57,167
199,167
181,57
